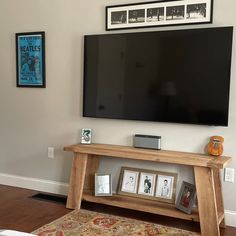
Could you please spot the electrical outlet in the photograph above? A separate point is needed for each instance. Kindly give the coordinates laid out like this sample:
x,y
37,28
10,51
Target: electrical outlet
x,y
229,175
51,152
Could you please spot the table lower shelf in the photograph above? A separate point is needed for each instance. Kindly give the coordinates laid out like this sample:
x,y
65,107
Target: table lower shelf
x,y
141,205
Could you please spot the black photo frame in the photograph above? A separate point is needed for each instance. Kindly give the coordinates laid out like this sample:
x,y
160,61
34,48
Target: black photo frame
x,y
159,13
30,59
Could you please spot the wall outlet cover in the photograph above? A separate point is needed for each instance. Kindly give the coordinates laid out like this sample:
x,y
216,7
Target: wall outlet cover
x,y
229,175
50,152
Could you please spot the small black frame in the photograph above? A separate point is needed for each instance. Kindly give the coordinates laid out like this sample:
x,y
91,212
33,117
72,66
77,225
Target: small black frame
x,y
30,59
159,13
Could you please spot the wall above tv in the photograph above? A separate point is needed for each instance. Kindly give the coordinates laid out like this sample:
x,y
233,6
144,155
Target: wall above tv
x,y
180,76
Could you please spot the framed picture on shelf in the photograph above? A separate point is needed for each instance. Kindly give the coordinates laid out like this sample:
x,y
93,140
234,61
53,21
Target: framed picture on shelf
x,y
128,183
86,136
186,197
158,13
30,59
166,187
103,184
150,184
147,183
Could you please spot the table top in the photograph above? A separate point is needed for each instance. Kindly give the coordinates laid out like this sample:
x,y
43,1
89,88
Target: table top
x,y
164,156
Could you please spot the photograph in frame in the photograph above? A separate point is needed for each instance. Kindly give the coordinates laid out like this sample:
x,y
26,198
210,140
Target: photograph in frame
x,y
166,187
128,181
196,11
136,16
155,14
147,183
30,59
118,17
158,13
174,13
103,184
186,197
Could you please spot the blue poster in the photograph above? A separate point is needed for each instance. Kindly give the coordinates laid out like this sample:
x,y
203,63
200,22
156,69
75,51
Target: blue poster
x,y
30,60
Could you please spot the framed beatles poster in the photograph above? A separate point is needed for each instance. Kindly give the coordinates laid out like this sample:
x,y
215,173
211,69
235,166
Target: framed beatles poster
x,y
30,59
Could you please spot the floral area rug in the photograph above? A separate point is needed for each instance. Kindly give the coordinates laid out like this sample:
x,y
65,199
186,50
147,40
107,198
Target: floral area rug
x,y
88,223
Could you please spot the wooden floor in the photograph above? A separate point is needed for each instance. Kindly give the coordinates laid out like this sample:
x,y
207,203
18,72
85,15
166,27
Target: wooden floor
x,y
18,211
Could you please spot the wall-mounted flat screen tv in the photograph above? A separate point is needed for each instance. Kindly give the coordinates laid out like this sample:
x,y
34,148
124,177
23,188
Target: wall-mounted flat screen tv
x,y
180,76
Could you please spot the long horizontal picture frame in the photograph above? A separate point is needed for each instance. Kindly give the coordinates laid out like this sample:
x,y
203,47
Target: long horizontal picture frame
x,y
158,13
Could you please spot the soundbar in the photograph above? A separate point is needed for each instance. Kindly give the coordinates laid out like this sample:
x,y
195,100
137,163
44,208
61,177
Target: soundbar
x,y
147,141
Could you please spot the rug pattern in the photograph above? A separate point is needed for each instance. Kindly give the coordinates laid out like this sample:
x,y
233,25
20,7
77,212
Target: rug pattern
x,y
88,223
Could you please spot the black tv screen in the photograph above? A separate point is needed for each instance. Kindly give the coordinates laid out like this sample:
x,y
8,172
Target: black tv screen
x,y
180,76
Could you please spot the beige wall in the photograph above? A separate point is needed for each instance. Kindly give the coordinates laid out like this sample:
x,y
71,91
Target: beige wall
x,y
33,119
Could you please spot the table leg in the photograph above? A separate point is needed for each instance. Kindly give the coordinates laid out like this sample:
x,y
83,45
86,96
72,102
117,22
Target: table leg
x,y
92,167
77,177
206,201
219,196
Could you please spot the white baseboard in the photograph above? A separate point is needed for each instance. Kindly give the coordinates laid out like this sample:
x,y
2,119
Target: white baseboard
x,y
34,184
62,189
230,218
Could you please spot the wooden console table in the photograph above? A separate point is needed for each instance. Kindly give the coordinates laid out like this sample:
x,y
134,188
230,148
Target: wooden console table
x,y
210,210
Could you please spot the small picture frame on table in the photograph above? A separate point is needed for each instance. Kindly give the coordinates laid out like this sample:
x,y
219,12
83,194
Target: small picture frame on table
x,y
186,197
30,59
128,183
166,187
86,136
103,184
